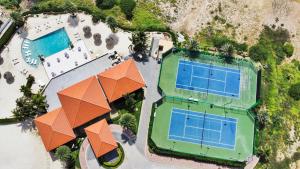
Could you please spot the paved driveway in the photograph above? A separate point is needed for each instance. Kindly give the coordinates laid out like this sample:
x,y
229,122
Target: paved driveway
x,y
21,149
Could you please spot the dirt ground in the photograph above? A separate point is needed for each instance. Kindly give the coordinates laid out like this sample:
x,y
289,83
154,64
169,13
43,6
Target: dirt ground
x,y
247,16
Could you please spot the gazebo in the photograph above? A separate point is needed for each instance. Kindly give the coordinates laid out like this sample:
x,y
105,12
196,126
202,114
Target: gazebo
x,y
121,80
54,129
101,138
83,101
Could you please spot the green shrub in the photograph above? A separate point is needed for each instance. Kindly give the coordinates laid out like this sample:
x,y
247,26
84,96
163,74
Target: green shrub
x,y
8,121
259,52
288,49
128,121
111,22
127,7
63,153
117,162
105,4
10,3
294,91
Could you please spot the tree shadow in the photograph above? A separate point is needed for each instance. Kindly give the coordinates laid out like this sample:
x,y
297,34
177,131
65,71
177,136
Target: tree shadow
x,y
128,137
73,20
27,125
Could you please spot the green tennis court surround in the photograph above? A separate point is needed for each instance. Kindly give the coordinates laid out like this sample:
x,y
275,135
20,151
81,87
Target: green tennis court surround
x,y
240,144
205,110
243,93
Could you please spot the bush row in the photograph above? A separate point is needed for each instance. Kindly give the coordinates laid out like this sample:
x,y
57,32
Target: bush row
x,y
7,36
97,15
165,152
117,162
8,121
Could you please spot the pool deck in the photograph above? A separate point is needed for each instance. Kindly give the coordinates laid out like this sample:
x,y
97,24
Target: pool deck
x,y
15,63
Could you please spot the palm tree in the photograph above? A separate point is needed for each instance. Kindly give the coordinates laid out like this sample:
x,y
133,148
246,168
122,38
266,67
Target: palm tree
x,y
26,90
228,51
63,153
139,41
193,48
39,103
128,121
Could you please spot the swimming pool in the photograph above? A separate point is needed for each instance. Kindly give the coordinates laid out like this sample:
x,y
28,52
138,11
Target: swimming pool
x,y
46,46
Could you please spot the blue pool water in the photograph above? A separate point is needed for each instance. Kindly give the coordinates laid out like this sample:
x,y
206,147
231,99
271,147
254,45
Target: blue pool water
x,y
46,45
203,129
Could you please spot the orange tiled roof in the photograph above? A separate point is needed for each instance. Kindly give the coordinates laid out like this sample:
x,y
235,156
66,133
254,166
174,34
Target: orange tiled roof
x,y
100,138
54,129
83,101
121,80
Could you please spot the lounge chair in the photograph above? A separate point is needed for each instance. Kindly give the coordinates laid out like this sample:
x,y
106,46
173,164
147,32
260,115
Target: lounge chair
x,y
28,54
35,62
27,60
32,61
25,47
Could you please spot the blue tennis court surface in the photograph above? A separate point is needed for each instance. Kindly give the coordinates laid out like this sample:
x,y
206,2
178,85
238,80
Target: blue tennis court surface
x,y
208,78
201,128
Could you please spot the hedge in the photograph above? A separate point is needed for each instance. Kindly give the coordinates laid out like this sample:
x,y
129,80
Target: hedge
x,y
6,121
98,15
166,152
116,163
7,35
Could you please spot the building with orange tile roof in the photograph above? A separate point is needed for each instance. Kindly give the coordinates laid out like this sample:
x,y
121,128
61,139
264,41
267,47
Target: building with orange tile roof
x,y
83,101
121,80
54,129
101,138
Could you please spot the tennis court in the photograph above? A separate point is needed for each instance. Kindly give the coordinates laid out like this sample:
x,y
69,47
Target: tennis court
x,y
202,128
208,78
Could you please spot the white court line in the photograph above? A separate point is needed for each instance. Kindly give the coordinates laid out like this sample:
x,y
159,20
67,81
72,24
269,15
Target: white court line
x,y
210,90
221,131
207,117
213,68
209,78
184,124
202,140
204,128
225,82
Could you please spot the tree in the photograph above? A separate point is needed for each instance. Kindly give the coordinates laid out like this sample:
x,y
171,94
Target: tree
x,y
111,22
18,18
128,121
228,51
130,101
26,90
39,103
63,153
139,41
294,91
288,49
127,7
105,4
259,52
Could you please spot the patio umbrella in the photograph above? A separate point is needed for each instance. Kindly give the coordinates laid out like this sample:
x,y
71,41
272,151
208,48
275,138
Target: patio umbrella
x,y
7,75
111,41
1,60
87,31
97,39
10,79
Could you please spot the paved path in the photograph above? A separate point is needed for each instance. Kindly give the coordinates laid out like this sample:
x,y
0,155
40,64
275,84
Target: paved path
x,y
137,155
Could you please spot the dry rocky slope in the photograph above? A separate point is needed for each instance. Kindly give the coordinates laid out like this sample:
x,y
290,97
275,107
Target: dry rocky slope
x,y
247,16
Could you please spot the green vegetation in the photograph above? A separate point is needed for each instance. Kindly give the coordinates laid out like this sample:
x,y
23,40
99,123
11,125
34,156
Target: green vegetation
x,y
130,104
288,49
279,113
128,121
8,121
10,4
127,7
111,22
18,18
7,35
117,162
30,104
139,41
294,91
63,153
105,4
